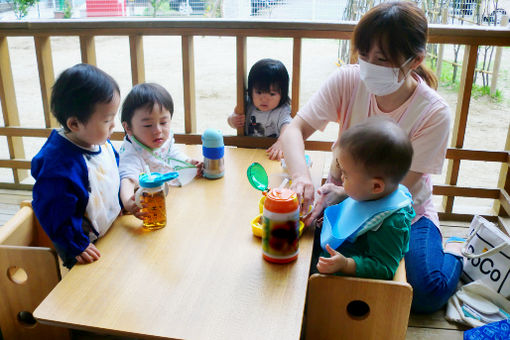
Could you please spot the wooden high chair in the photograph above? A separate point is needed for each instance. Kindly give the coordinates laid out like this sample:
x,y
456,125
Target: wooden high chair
x,y
357,308
29,269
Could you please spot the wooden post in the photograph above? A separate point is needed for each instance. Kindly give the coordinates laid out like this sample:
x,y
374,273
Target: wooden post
x,y
497,59
439,64
240,79
188,75
461,115
88,50
46,76
10,108
296,75
137,62
504,179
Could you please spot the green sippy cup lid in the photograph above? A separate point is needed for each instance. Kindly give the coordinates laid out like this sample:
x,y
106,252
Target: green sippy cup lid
x,y
257,176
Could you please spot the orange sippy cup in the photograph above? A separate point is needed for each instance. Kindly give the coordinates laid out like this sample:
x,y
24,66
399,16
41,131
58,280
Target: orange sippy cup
x,y
280,226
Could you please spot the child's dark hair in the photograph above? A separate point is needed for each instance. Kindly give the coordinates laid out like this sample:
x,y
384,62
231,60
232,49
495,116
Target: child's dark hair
x,y
78,89
146,95
381,146
398,28
267,72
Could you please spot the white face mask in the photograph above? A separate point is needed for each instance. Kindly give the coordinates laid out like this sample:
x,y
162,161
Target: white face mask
x,y
381,80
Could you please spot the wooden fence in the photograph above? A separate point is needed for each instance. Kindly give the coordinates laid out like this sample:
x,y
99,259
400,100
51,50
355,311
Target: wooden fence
x,y
41,31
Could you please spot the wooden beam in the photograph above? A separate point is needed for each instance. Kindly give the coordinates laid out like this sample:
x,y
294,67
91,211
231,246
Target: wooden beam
x,y
15,186
88,49
46,76
15,163
465,35
478,155
137,61
296,75
188,75
463,217
453,190
16,131
240,78
461,115
247,141
10,107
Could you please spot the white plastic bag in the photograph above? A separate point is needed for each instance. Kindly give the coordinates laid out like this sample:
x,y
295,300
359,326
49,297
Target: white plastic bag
x,y
487,256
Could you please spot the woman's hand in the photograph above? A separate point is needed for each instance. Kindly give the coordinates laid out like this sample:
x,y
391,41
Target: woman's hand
x,y
89,255
328,194
303,187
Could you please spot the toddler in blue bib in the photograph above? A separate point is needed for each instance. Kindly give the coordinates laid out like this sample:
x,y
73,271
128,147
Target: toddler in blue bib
x,y
367,234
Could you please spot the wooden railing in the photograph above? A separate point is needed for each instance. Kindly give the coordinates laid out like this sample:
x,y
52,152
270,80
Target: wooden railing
x,y
41,31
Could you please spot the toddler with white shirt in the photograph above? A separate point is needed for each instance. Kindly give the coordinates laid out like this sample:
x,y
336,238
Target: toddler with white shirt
x,y
149,144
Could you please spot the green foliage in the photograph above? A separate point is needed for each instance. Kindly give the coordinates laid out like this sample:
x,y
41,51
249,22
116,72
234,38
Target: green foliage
x,y
68,9
163,10
476,92
21,7
480,91
155,4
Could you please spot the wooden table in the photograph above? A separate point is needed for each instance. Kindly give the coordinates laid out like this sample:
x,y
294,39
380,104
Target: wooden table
x,y
200,277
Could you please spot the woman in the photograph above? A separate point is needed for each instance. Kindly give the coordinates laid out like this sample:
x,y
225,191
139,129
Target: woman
x,y
390,41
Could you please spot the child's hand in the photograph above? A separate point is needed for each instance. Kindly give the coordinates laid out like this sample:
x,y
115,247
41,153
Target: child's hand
x,y
236,120
329,265
134,209
89,255
130,206
198,164
328,194
275,151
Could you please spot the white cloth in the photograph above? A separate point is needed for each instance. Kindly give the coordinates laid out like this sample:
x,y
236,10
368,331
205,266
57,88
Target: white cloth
x,y
103,206
266,123
476,305
425,116
134,158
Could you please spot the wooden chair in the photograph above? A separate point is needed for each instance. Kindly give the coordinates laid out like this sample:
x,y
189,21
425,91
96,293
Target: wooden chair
x,y
29,269
358,308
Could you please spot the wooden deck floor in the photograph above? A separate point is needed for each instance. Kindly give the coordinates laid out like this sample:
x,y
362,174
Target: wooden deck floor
x,y
421,327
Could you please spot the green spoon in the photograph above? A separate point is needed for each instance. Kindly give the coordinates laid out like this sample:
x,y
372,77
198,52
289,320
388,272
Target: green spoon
x,y
257,176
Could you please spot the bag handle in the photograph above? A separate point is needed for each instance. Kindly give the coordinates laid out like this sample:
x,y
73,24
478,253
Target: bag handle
x,y
494,250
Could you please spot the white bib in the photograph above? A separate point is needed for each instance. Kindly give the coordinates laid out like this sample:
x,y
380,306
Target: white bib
x,y
103,206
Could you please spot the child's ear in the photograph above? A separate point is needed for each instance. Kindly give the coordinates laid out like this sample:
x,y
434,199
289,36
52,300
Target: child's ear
x,y
73,124
126,128
378,185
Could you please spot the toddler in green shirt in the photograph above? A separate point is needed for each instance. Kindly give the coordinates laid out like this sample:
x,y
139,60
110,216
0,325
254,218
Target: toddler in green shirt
x,y
371,158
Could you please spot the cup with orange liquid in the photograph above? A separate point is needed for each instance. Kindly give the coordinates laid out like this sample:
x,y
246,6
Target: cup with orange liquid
x,y
150,197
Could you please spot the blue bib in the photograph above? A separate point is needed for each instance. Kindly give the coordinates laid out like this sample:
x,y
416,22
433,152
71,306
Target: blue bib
x,y
350,218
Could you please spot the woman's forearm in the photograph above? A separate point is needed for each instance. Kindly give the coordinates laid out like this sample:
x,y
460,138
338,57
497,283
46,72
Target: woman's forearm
x,y
294,148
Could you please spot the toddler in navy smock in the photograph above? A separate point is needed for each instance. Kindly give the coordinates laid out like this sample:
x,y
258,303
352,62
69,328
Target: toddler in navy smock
x,y
76,193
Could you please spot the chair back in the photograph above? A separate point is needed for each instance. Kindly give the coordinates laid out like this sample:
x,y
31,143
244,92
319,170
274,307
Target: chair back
x,y
28,272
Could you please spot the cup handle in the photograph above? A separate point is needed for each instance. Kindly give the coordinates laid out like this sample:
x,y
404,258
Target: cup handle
x,y
137,197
